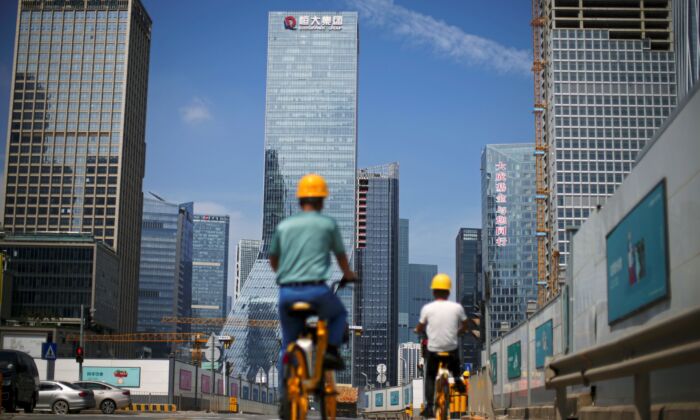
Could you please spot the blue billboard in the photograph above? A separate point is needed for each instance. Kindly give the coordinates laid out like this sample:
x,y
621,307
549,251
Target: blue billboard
x,y
637,257
123,377
543,343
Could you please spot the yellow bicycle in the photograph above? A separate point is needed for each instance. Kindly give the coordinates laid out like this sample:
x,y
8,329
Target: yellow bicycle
x,y
303,369
441,402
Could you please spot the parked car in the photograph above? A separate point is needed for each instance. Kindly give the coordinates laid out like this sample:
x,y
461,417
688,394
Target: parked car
x,y
108,398
20,380
63,397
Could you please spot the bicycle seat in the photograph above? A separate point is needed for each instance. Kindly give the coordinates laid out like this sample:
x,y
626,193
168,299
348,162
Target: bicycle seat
x,y
443,354
301,309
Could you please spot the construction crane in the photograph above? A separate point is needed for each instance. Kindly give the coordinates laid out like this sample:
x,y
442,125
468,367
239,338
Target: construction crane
x,y
235,322
539,64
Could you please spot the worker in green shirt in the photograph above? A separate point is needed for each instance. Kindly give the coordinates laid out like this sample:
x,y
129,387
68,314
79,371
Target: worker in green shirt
x,y
300,254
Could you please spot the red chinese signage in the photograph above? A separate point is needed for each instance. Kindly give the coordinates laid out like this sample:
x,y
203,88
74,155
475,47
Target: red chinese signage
x,y
501,231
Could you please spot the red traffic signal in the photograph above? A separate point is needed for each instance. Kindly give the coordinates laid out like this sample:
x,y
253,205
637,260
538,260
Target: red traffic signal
x,y
79,355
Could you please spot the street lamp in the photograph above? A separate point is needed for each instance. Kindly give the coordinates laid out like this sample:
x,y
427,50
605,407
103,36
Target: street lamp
x,y
405,366
366,380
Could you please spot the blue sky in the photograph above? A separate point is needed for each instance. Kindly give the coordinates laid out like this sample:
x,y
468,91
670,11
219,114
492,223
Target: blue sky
x,y
437,81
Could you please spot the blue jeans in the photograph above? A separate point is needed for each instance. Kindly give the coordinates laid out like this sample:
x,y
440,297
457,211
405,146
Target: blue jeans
x,y
327,305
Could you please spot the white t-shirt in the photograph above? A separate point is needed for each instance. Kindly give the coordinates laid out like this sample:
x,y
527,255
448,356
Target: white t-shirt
x,y
442,319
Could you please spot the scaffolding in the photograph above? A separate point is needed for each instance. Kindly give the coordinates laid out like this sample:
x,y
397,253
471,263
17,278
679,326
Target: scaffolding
x,y
544,288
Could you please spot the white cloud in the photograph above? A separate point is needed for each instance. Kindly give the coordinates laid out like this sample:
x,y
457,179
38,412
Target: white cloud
x,y
196,111
443,38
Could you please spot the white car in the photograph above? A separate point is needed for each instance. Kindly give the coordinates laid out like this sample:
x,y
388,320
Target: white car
x,y
108,397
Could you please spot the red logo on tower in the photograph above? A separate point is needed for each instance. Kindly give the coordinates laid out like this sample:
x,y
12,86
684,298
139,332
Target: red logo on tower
x,y
290,23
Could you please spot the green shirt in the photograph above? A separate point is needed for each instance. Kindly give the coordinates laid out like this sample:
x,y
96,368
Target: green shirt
x,y
304,242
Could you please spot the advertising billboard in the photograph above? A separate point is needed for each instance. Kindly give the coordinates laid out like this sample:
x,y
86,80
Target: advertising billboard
x,y
123,377
514,360
543,343
637,257
494,367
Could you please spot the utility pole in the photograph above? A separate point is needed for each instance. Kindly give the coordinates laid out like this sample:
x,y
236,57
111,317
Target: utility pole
x,y
82,327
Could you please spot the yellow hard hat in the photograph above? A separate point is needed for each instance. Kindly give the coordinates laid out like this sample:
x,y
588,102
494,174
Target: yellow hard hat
x,y
441,281
466,374
312,186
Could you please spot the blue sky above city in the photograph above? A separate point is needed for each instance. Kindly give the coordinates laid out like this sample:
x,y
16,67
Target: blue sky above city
x,y
437,81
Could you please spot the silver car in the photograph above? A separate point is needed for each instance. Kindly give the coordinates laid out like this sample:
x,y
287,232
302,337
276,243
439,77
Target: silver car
x,y
63,397
108,397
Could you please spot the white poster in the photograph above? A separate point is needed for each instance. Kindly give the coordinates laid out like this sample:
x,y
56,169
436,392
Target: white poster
x,y
30,344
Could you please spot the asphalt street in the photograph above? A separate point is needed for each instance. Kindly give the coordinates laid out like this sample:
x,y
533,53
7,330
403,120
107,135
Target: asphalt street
x,y
191,415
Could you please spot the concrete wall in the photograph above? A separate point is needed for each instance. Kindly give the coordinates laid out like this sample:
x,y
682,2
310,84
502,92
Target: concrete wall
x,y
674,156
528,388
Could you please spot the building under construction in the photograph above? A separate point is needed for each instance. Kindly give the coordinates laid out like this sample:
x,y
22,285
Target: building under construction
x,y
604,81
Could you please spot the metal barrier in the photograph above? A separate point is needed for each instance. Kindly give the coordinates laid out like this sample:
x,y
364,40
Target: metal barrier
x,y
669,343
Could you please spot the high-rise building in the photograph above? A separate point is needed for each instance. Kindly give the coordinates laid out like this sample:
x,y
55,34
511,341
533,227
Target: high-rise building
x,y
377,265
509,256
605,80
310,126
420,278
246,253
209,268
409,358
165,282
404,328
76,140
468,286
686,36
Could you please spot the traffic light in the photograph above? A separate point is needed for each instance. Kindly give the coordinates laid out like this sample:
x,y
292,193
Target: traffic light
x,y
229,368
79,354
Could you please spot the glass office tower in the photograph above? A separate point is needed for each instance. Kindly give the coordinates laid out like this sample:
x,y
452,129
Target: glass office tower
x,y
420,277
246,253
404,328
610,82
686,29
76,137
310,126
509,255
377,265
209,268
468,285
165,283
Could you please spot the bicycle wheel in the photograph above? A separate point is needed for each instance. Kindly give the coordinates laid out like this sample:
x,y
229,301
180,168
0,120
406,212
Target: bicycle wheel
x,y
295,404
442,399
328,396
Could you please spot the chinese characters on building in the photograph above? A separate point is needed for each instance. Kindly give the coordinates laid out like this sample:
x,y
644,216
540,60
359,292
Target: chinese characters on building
x,y
501,231
320,22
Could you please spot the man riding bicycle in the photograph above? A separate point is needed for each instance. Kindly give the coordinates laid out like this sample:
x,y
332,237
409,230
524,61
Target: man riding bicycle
x,y
442,321
300,255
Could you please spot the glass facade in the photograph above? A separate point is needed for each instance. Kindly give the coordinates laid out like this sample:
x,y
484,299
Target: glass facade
x,y
377,265
53,274
76,141
468,284
310,126
686,29
509,239
607,98
404,328
165,284
420,276
209,268
246,254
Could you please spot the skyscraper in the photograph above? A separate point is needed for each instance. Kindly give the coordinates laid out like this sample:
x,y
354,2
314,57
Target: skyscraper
x,y
377,265
468,285
420,278
409,357
404,328
246,253
310,126
165,283
605,81
76,141
509,255
686,30
209,268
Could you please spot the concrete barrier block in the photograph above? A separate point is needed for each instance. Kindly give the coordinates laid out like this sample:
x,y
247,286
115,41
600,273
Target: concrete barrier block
x,y
676,411
621,412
